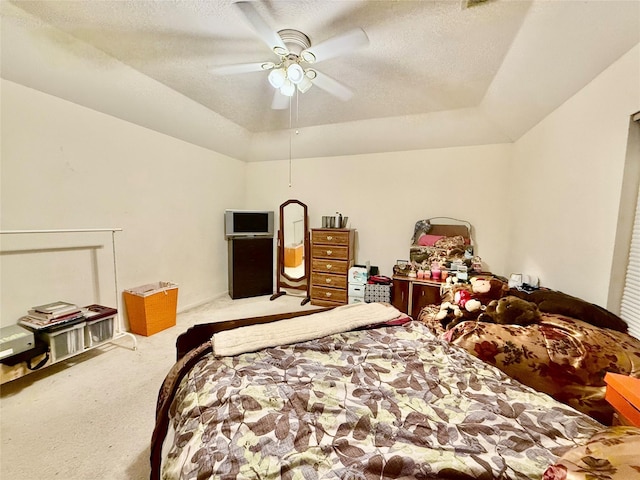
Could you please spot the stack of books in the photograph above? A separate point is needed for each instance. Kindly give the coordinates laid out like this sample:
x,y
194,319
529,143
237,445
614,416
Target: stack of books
x,y
52,316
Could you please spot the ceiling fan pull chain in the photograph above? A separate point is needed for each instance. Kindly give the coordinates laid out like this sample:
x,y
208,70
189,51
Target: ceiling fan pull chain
x,y
290,140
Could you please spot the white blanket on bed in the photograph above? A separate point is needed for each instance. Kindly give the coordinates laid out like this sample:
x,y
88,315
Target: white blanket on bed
x,y
300,329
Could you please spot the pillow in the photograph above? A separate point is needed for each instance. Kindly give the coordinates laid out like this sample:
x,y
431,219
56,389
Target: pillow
x,y
428,240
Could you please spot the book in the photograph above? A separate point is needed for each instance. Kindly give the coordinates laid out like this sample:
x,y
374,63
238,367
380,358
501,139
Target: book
x,y
43,324
49,316
53,310
55,307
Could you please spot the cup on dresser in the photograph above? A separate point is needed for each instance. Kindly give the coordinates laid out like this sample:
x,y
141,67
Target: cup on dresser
x,y
325,221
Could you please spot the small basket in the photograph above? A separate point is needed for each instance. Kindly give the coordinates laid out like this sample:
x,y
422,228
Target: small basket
x,y
151,308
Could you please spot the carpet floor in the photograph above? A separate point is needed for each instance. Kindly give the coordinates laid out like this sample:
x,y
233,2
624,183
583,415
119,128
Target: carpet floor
x,y
91,417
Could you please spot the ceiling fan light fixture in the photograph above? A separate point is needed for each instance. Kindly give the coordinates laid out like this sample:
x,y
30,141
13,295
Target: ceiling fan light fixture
x,y
281,52
288,89
295,73
277,77
308,57
289,76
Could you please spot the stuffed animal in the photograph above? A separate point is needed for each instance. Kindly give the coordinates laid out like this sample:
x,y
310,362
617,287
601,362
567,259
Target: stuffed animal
x,y
486,288
451,314
510,310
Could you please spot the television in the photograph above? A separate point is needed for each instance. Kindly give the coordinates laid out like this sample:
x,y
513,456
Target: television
x,y
248,223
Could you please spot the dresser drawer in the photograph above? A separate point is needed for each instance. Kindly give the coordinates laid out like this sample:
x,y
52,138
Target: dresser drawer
x,y
327,294
326,303
330,251
328,280
329,265
331,237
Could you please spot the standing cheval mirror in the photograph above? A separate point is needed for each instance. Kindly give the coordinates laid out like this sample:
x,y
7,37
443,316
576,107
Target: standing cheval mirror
x,y
293,250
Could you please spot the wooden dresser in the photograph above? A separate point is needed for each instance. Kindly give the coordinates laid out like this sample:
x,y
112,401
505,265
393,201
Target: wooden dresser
x,y
332,255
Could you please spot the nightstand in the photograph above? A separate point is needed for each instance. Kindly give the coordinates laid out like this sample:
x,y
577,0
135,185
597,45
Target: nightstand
x,y
411,295
623,393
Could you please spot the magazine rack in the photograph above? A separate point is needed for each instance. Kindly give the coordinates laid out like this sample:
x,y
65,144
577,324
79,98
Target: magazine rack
x,y
8,373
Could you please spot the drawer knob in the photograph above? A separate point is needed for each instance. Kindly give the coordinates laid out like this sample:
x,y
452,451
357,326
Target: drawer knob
x,y
328,280
329,266
329,237
328,294
329,252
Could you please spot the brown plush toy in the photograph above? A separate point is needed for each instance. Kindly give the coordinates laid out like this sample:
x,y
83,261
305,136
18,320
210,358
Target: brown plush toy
x,y
487,288
451,314
510,310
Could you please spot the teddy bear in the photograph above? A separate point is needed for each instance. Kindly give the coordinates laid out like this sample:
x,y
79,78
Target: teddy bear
x,y
466,308
510,310
486,288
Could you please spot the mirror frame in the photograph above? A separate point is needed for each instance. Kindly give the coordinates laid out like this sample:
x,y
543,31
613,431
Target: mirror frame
x,y
283,280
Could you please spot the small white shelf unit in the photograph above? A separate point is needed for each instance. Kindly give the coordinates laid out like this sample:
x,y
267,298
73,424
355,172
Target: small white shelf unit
x,y
78,332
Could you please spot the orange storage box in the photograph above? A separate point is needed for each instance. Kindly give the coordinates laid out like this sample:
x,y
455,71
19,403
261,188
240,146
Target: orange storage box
x,y
293,256
151,308
623,393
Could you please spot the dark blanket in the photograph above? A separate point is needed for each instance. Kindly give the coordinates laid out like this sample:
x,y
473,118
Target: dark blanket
x,y
551,301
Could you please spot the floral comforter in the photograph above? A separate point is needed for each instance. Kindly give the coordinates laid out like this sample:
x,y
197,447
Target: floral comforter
x,y
387,402
561,356
609,455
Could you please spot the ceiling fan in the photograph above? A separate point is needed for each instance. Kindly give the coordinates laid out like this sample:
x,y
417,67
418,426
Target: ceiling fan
x,y
293,69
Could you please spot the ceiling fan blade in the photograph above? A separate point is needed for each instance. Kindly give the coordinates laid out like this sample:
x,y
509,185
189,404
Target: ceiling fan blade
x,y
280,101
241,68
264,31
335,88
338,45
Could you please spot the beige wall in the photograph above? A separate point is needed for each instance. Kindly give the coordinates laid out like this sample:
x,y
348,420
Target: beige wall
x,y
566,182
66,166
385,194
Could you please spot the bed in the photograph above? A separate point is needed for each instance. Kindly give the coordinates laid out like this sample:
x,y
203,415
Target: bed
x,y
565,353
383,397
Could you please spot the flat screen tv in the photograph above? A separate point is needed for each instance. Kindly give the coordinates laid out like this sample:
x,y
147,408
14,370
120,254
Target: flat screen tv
x,y
248,223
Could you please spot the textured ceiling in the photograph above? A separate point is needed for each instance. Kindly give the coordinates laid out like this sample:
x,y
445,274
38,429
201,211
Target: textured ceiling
x,y
424,57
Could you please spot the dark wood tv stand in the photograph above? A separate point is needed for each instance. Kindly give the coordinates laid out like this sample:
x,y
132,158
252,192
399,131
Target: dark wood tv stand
x,y
250,266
